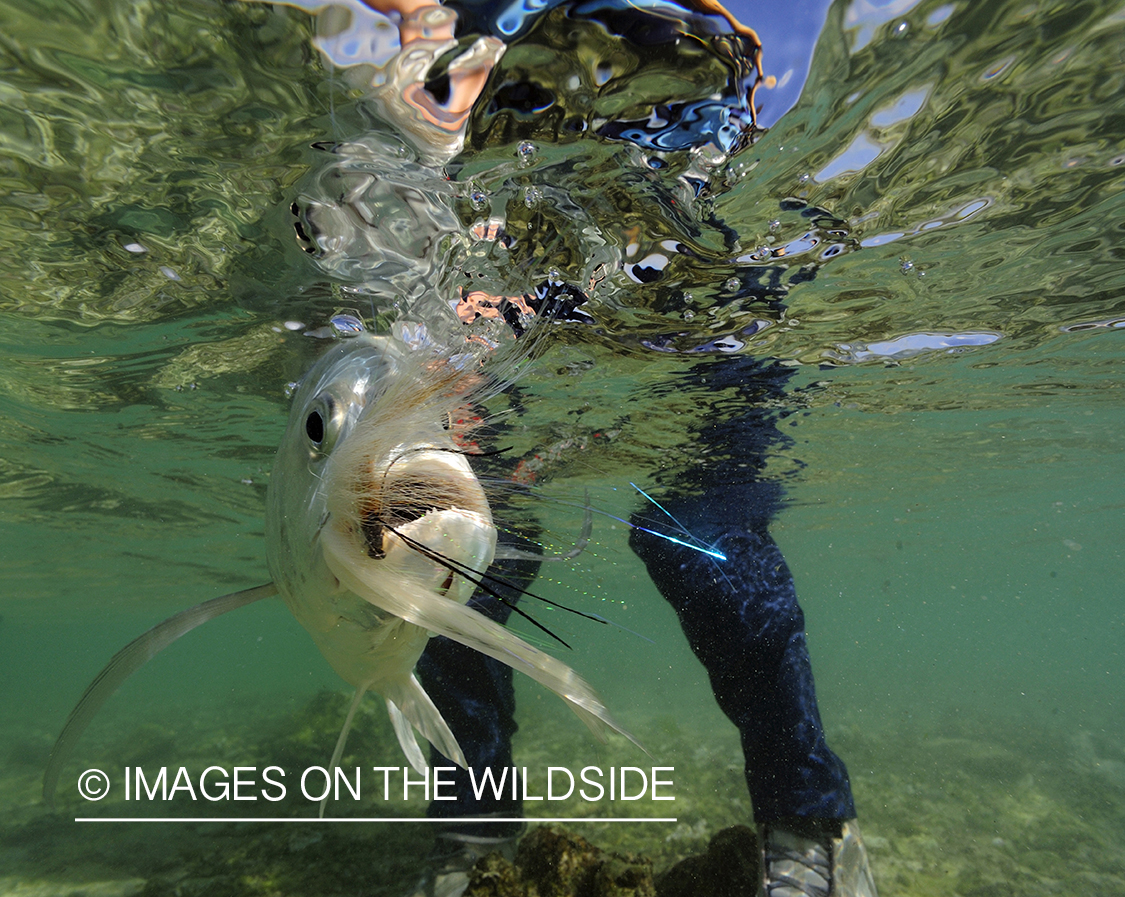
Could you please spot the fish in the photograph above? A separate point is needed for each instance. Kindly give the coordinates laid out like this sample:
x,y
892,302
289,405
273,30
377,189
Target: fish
x,y
378,532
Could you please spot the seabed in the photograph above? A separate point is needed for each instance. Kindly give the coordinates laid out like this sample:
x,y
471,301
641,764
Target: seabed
x,y
961,807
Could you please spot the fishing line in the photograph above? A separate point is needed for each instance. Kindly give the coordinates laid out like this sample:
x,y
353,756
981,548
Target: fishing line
x,y
478,579
464,570
699,545
696,544
449,565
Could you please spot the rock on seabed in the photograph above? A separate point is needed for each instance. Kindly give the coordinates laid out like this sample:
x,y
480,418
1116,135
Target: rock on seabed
x,y
552,862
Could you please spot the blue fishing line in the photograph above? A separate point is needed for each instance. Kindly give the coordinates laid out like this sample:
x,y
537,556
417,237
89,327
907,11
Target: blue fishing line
x,y
708,551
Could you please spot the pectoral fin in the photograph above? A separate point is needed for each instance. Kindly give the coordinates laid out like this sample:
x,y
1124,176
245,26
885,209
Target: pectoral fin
x,y
434,613
130,659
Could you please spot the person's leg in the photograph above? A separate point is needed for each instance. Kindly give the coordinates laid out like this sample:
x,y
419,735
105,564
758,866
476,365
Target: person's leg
x,y
742,620
476,696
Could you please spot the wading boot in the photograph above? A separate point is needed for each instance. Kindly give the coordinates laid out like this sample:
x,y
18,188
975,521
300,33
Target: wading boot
x,y
454,854
814,858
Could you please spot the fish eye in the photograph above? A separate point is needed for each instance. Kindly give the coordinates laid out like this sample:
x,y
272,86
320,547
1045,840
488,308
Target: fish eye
x,y
314,427
322,423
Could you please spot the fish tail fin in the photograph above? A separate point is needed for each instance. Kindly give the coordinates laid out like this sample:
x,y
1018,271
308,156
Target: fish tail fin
x,y
341,741
411,708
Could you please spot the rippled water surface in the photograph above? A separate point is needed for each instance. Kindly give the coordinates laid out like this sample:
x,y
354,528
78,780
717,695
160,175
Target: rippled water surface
x,y
931,238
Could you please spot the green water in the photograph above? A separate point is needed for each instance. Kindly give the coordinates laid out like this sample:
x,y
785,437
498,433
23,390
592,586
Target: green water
x,y
953,517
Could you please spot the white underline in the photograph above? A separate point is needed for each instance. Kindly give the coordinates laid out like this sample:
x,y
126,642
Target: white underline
x,y
469,821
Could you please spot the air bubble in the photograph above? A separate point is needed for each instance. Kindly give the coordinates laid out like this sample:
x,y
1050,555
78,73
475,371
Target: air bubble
x,y
478,199
345,324
526,152
531,197
732,285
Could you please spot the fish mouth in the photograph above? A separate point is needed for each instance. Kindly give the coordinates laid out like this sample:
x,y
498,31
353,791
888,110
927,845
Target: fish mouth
x,y
425,516
400,503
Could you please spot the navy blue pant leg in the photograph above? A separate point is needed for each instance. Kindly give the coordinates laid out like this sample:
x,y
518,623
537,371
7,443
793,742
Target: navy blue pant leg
x,y
740,615
743,622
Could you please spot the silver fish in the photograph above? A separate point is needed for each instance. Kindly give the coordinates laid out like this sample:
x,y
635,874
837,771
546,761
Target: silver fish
x,y
378,531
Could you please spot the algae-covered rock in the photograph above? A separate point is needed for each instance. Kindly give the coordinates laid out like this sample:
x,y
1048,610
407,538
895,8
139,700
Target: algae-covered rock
x,y
561,864
553,862
729,868
494,876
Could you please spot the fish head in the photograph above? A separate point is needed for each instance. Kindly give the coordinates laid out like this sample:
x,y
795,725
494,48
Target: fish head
x,y
367,457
